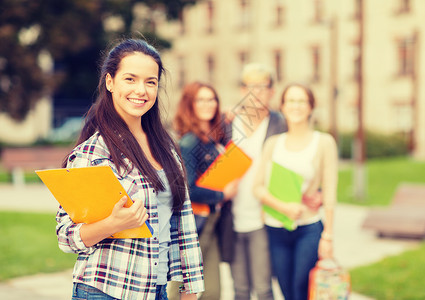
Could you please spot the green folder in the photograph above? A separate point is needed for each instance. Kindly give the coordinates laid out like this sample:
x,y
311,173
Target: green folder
x,y
285,185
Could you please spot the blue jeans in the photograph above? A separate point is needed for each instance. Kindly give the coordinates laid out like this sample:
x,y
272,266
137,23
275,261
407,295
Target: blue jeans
x,y
161,292
293,255
83,291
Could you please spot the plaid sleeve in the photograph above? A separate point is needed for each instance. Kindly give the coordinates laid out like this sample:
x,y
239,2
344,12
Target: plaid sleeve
x,y
191,256
185,252
68,232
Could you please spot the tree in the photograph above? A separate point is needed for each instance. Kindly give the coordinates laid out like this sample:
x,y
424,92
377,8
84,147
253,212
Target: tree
x,y
73,33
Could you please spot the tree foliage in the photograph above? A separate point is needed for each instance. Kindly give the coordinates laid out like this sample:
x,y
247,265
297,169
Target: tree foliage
x,y
73,33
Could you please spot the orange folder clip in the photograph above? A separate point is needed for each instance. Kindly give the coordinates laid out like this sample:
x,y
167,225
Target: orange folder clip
x,y
89,194
228,166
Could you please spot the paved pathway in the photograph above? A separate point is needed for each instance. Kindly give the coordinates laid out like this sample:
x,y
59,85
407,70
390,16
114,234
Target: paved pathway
x,y
353,247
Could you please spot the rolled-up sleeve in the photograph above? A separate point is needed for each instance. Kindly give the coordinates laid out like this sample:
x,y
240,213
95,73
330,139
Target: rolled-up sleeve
x,y
68,232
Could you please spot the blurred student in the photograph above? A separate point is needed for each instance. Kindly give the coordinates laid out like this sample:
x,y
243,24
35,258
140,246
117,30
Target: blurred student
x,y
253,123
202,137
313,155
123,130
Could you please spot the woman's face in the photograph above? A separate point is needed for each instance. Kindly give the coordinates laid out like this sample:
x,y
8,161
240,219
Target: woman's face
x,y
296,107
135,86
205,104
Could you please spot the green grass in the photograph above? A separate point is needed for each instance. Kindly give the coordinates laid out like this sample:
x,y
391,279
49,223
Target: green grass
x,y
30,177
4,177
393,278
396,277
28,245
383,177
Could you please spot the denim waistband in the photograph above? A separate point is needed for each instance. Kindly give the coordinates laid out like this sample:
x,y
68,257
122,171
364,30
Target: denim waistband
x,y
85,287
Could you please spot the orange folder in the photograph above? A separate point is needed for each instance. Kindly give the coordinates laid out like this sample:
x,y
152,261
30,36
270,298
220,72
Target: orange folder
x,y
89,194
228,166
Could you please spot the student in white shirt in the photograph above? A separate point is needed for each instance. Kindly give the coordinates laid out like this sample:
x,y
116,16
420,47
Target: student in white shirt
x,y
253,123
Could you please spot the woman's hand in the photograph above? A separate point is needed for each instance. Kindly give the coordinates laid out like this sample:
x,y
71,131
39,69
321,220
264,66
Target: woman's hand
x,y
325,248
120,219
313,201
128,217
292,210
188,296
231,189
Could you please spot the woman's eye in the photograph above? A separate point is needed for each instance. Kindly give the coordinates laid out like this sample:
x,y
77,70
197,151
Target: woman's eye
x,y
130,79
153,83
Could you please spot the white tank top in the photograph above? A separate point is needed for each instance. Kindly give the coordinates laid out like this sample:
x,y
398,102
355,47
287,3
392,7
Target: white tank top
x,y
301,162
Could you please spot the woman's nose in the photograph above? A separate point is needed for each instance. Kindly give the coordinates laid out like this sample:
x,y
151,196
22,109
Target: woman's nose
x,y
141,88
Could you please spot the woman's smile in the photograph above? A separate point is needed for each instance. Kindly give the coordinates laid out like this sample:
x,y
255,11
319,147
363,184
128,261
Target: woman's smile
x,y
137,100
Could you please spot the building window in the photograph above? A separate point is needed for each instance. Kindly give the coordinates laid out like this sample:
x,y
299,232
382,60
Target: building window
x,y
316,63
404,6
245,14
182,23
278,65
210,17
356,67
355,58
318,11
357,9
405,52
210,68
243,58
181,72
403,116
279,15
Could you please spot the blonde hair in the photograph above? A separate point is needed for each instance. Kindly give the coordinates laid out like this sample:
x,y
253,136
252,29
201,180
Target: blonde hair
x,y
256,71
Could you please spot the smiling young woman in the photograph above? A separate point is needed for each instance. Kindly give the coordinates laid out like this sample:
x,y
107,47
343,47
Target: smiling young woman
x,y
123,130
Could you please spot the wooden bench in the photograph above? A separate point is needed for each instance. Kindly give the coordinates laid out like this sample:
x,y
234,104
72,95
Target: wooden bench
x,y
20,160
404,218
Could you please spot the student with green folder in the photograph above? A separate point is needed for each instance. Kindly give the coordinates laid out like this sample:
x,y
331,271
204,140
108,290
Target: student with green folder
x,y
285,185
293,167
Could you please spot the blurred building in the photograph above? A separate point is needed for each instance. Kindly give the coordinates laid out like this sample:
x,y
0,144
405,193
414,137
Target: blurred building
x,y
35,126
316,42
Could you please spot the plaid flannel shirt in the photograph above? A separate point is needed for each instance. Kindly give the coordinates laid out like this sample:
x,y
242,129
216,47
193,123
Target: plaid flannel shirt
x,y
127,268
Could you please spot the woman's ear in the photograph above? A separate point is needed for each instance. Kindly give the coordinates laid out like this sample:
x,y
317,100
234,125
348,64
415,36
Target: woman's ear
x,y
109,82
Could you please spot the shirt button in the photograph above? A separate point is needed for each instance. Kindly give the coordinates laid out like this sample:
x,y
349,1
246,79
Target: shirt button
x,y
154,238
154,284
153,191
155,263
187,274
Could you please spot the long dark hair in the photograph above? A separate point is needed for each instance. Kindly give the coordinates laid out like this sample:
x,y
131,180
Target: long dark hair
x,y
121,143
186,120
